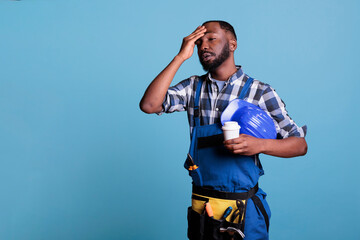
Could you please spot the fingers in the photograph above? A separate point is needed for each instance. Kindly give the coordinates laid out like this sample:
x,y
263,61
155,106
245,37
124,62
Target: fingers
x,y
244,145
199,32
238,146
234,140
242,149
188,44
198,29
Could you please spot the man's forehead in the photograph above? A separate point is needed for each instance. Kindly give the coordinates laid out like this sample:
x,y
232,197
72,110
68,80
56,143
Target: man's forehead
x,y
213,27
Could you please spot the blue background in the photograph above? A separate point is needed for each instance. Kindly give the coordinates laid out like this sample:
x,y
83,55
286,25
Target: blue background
x,y
79,160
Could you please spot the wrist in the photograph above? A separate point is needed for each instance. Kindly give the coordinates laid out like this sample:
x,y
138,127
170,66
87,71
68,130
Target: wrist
x,y
180,58
264,145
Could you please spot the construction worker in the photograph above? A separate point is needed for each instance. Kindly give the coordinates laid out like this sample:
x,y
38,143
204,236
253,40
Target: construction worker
x,y
227,202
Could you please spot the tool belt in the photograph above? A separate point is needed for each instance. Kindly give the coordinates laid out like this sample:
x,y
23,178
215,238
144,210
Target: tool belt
x,y
227,218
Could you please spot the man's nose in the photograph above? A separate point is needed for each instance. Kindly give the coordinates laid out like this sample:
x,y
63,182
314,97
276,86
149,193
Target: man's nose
x,y
204,46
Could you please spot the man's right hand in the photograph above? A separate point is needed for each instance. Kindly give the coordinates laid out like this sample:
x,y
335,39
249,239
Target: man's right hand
x,y
188,44
155,93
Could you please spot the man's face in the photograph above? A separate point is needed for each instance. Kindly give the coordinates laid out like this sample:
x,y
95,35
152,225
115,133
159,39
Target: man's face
x,y
213,47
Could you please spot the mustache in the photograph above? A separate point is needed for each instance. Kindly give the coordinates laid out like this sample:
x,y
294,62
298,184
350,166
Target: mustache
x,y
203,52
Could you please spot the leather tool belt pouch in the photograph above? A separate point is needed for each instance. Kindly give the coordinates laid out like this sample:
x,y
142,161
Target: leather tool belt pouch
x,y
202,226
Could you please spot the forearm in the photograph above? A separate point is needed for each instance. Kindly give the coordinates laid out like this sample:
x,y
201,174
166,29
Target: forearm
x,y
249,145
155,93
288,147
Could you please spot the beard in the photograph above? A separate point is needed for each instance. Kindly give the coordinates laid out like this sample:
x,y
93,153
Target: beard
x,y
212,65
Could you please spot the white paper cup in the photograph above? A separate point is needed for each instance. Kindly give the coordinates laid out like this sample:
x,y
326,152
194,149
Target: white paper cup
x,y
231,130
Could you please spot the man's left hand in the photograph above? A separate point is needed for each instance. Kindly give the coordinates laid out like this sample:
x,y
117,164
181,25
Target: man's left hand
x,y
244,145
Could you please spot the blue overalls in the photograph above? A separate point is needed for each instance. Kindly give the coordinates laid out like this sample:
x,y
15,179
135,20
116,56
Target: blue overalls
x,y
220,175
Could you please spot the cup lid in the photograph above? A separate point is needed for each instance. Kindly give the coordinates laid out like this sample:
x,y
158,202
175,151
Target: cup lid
x,y
231,125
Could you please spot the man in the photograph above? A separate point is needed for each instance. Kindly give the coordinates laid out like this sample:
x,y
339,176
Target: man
x,y
226,200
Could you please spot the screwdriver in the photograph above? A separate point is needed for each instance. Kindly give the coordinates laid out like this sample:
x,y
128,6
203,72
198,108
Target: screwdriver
x,y
227,212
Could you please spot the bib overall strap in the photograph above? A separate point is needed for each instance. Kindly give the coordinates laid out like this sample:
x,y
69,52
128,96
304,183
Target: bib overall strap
x,y
197,102
246,88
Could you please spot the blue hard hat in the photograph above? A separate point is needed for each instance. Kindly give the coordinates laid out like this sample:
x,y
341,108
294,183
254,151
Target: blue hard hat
x,y
251,118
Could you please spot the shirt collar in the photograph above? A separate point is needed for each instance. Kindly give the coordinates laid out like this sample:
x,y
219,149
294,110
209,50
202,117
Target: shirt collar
x,y
232,78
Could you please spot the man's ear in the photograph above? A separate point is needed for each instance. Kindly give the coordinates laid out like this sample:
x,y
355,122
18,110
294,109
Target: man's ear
x,y
232,45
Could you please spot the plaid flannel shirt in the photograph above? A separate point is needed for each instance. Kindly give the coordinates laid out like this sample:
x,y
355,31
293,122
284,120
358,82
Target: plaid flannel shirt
x,y
213,102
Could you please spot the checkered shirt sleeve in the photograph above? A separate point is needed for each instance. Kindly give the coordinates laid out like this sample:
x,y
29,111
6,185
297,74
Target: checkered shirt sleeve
x,y
178,96
273,105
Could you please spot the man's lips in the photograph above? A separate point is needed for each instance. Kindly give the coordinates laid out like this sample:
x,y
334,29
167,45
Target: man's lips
x,y
207,56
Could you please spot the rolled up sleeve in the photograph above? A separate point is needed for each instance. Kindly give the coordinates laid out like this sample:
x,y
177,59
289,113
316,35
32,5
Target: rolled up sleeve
x,y
176,98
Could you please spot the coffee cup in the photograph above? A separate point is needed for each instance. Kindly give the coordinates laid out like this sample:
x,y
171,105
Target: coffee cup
x,y
231,130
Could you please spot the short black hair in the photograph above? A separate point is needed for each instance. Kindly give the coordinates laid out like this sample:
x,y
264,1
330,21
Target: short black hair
x,y
224,25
